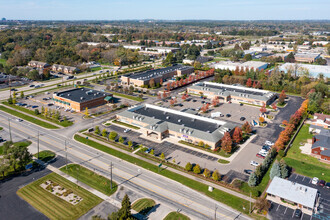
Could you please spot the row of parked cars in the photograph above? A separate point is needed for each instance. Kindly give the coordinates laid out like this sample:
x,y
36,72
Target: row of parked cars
x,y
322,183
263,152
26,105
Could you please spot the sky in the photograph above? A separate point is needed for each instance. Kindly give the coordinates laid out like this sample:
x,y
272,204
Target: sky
x,y
165,10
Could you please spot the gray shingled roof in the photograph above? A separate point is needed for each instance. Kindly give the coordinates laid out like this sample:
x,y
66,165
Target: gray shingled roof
x,y
323,140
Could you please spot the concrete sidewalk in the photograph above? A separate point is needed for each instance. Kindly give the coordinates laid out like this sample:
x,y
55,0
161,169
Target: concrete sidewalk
x,y
216,186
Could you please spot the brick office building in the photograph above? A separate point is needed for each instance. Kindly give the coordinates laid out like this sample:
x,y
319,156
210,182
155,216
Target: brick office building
x,y
81,98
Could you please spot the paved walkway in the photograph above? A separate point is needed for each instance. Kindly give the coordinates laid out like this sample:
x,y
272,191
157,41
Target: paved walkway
x,y
216,186
33,116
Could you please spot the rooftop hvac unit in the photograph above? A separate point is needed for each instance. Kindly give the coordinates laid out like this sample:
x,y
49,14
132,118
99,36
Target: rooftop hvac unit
x,y
190,132
179,120
69,94
81,98
167,117
140,119
181,129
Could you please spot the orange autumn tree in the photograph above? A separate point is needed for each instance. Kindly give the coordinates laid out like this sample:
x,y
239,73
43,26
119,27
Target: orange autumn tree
x,y
246,127
237,136
226,143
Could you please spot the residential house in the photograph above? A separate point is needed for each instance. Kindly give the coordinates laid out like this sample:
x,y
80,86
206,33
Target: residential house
x,y
37,64
320,143
321,120
65,69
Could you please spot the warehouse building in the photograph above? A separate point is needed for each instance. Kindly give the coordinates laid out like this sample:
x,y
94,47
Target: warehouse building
x,y
143,78
293,195
256,65
299,69
81,98
233,93
159,123
306,57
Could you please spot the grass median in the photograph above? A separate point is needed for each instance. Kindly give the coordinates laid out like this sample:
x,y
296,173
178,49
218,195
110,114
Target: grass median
x,y
30,112
90,178
45,155
53,206
28,118
221,196
143,206
176,216
134,98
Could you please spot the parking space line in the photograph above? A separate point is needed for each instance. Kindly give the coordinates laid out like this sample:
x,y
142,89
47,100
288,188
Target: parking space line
x,y
310,181
296,176
292,213
302,216
311,217
285,210
303,178
277,207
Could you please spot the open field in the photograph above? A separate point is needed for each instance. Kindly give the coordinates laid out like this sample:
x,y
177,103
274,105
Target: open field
x,y
54,207
90,178
28,118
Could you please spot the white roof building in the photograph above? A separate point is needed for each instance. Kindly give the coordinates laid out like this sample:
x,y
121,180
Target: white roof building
x,y
314,70
296,193
256,65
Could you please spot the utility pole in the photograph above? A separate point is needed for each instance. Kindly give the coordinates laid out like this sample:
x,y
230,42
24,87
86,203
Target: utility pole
x,y
9,130
250,202
215,212
38,145
66,156
111,176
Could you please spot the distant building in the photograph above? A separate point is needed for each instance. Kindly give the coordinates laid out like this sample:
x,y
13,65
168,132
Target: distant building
x,y
159,123
134,47
65,69
143,78
233,93
306,57
322,120
256,65
320,143
293,195
314,70
81,98
37,64
320,43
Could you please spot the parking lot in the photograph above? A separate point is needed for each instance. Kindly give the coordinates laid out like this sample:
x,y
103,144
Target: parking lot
x,y
235,110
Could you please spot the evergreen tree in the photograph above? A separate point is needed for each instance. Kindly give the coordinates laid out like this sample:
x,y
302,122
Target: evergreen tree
x,y
275,170
253,180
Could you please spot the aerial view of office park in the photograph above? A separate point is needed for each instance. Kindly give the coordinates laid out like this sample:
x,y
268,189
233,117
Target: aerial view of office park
x,y
179,110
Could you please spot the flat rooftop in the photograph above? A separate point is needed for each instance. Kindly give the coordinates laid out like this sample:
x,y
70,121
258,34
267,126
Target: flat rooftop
x,y
147,75
178,119
233,89
81,94
314,70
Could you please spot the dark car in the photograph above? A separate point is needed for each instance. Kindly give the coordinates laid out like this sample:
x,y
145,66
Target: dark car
x,y
221,115
2,140
327,185
241,104
194,100
228,115
297,213
322,183
202,102
13,89
248,171
242,118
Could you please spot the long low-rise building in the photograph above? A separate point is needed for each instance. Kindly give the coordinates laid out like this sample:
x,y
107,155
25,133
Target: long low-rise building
x,y
228,65
293,195
81,98
158,123
143,78
233,93
306,57
299,69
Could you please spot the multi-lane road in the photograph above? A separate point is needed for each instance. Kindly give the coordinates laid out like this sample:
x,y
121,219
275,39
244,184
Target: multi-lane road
x,y
165,191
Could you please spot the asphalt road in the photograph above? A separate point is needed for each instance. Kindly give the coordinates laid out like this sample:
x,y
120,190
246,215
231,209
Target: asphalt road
x,y
149,184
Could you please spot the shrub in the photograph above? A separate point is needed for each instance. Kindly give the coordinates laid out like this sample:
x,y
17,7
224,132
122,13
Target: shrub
x,y
121,139
206,173
188,166
97,130
253,180
216,175
197,169
112,135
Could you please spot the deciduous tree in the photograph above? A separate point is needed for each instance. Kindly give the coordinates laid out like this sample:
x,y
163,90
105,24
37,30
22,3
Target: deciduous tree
x,y
237,136
226,142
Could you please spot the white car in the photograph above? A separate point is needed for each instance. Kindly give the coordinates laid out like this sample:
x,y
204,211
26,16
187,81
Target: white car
x,y
269,143
315,180
19,120
253,163
127,130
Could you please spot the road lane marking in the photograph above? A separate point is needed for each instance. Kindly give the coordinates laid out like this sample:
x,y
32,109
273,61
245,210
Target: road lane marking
x,y
277,207
90,161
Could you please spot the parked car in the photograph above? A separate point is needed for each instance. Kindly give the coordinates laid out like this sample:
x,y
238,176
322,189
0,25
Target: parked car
x,y
148,150
241,104
327,185
242,119
322,183
297,213
50,104
315,180
13,89
19,120
221,115
127,130
194,100
2,140
34,106
269,143
31,85
228,115
253,163
248,172
260,156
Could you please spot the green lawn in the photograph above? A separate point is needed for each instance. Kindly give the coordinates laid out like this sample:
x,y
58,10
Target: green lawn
x,y
221,152
3,61
304,164
90,178
134,98
1,128
226,198
28,118
143,206
54,207
125,124
45,155
31,112
176,216
223,161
